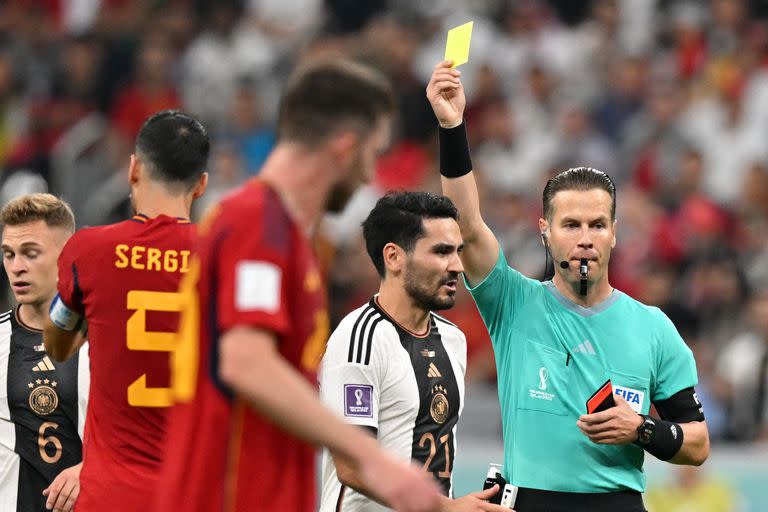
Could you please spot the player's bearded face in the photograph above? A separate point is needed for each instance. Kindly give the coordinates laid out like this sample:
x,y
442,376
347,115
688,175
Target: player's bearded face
x,y
362,168
343,191
432,268
426,286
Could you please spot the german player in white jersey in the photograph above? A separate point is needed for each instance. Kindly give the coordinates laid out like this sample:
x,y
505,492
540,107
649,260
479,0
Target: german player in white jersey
x,y
42,402
395,367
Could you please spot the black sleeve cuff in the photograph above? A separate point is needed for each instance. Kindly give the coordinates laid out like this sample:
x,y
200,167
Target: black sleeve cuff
x,y
455,160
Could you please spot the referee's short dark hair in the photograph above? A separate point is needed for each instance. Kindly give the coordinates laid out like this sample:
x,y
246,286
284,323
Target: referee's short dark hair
x,y
174,147
578,178
323,97
398,218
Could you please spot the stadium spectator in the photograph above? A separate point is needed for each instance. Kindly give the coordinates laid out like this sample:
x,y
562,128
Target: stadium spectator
x,y
556,342
120,282
150,91
255,318
44,408
743,365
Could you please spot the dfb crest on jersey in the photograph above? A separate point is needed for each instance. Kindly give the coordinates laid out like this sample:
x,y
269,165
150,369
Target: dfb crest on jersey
x,y
43,398
439,407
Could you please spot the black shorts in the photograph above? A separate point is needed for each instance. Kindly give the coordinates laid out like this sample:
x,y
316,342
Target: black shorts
x,y
535,500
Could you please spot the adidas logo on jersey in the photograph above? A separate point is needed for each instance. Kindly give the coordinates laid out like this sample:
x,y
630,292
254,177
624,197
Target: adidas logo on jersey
x,y
44,366
584,348
433,372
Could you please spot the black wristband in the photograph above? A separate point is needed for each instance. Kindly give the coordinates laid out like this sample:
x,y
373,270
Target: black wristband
x,y
666,441
455,160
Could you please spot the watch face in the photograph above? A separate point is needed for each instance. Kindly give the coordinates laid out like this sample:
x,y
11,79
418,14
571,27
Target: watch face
x,y
646,431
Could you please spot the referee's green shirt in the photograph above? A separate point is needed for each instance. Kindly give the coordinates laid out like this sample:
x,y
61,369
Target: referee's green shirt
x,y
551,356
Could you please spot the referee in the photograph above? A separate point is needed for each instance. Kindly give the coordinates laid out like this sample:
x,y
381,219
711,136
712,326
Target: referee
x,y
557,343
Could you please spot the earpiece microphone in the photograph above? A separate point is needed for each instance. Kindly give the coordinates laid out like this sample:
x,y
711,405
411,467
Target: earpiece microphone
x,y
564,265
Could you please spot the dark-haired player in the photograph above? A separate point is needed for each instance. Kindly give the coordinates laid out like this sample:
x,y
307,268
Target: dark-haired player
x,y
122,280
395,367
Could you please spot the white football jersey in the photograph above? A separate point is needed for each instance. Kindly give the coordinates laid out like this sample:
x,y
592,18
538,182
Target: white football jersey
x,y
408,389
42,414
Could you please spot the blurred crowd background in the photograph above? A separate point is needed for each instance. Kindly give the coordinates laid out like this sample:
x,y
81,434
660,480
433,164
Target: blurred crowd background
x,y
670,97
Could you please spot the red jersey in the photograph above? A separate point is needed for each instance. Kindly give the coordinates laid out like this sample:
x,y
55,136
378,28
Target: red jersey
x,y
124,279
258,269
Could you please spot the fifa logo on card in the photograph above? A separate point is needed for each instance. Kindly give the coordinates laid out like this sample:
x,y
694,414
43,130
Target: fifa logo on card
x,y
633,396
358,397
543,378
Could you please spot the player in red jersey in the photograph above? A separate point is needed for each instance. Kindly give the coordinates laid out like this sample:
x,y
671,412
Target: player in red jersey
x,y
123,280
240,439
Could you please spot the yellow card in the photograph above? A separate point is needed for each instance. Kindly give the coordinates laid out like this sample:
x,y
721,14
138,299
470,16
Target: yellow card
x,y
457,45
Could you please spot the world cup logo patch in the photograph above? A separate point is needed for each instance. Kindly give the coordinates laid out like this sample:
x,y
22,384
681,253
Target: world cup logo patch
x,y
43,398
439,407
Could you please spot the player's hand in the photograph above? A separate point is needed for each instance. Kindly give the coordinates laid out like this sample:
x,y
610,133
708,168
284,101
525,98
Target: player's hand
x,y
403,486
63,491
446,94
617,425
474,502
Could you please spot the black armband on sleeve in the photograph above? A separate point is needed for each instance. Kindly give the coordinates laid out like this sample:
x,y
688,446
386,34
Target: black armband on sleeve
x,y
666,440
455,160
682,407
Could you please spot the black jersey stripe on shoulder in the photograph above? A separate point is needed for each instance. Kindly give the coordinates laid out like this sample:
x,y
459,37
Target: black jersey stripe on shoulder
x,y
444,320
370,340
352,337
375,316
4,317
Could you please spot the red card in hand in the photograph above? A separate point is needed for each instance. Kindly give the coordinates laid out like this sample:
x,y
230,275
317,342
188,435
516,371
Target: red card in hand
x,y
602,399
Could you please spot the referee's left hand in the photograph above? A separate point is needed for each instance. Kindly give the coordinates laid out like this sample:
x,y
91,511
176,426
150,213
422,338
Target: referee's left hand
x,y
617,425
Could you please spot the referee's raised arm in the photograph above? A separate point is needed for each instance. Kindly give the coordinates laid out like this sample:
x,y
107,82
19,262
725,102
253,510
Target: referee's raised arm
x,y
446,95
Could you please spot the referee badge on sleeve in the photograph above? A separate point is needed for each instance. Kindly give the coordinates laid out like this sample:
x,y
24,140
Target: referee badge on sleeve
x,y
357,401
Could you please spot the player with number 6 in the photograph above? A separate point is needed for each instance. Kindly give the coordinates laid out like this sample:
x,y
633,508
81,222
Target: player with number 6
x,y
42,403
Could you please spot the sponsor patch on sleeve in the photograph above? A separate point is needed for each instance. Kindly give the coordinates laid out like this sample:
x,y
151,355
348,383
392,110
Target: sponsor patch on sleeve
x,y
357,401
257,286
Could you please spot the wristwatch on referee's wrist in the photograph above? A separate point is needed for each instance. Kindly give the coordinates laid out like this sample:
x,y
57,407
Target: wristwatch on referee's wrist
x,y
646,431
